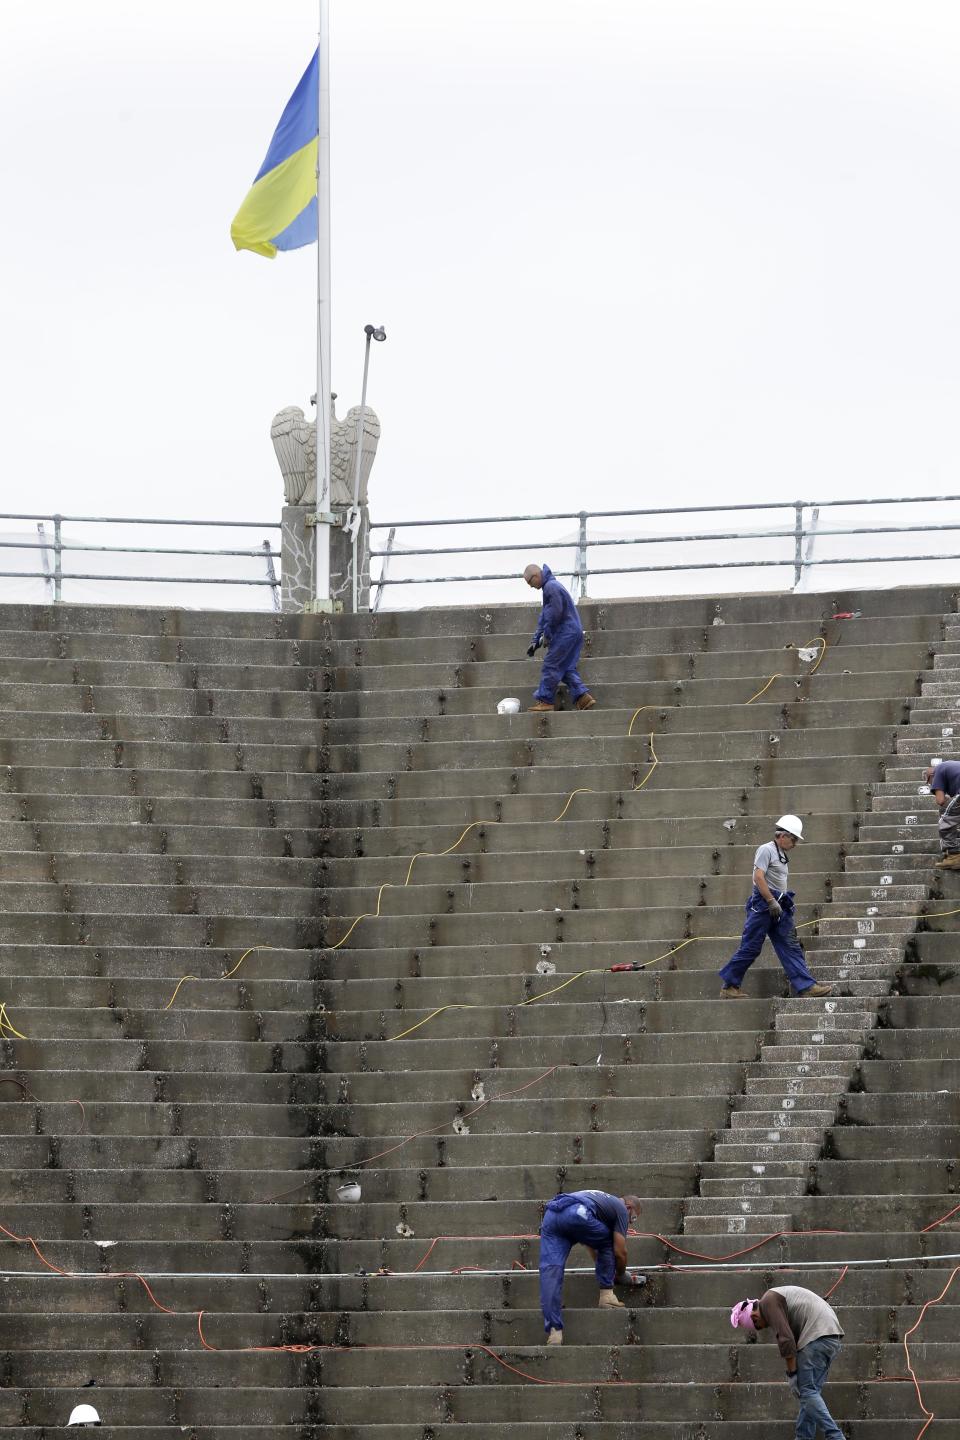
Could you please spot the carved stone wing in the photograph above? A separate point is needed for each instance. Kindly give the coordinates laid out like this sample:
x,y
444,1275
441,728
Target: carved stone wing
x,y
295,442
343,454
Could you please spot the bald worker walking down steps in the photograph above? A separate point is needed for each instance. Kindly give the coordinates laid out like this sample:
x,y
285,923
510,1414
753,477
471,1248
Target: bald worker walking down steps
x,y
594,1219
808,1335
770,914
560,629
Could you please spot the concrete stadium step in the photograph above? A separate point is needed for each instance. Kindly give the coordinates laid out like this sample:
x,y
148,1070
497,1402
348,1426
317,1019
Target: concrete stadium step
x,y
267,745
670,1292
483,1398
73,639
130,1332
123,888
931,601
871,1429
506,1118
396,845
29,1186
374,1087
337,968
420,716
358,1365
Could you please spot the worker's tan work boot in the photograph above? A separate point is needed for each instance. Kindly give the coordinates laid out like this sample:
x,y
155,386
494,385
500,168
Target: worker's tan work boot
x,y
609,1301
586,702
949,862
731,992
554,1337
814,991
540,705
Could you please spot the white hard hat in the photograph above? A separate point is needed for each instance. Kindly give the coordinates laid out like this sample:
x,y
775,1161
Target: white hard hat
x,y
509,706
83,1415
792,825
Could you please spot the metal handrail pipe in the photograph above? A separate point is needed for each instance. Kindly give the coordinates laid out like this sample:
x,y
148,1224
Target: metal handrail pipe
x,y
482,549
892,500
869,560
596,514
145,579
140,520
619,540
131,549
784,564
654,540
162,550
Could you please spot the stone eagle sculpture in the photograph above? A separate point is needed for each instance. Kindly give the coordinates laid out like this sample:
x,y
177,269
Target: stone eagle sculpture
x,y
295,442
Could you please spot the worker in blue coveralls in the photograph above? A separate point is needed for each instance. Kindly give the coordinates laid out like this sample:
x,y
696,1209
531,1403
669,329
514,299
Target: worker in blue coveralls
x,y
597,1220
944,782
770,913
559,627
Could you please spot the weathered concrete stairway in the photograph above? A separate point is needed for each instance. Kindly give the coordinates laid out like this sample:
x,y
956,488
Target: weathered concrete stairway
x,y
179,787
813,1053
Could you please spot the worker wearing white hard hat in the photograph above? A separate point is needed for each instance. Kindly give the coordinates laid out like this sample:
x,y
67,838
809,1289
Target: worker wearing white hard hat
x,y
83,1415
770,915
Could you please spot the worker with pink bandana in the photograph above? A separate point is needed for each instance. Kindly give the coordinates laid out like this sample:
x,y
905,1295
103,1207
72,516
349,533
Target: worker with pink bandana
x,y
808,1335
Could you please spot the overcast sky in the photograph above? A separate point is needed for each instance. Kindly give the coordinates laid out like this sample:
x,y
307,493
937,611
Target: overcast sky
x,y
627,252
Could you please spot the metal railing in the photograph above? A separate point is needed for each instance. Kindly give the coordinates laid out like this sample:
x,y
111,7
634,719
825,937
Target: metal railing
x,y
801,530
52,549
797,538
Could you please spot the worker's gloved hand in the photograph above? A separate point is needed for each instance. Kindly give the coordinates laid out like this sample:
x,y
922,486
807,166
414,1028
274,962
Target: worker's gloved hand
x,y
532,649
775,909
794,1383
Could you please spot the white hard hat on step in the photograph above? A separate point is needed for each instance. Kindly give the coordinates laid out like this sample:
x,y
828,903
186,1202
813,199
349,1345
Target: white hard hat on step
x,y
83,1415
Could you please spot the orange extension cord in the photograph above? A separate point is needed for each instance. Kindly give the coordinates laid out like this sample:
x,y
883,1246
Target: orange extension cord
x,y
302,1349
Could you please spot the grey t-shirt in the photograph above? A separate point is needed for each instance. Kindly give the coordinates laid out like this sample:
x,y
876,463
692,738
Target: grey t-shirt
x,y
768,860
810,1317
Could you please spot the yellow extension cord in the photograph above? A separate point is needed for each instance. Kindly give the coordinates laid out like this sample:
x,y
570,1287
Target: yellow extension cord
x,y
6,1027
439,854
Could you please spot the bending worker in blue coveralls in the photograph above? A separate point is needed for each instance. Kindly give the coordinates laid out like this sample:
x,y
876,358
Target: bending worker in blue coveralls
x,y
560,628
944,782
597,1220
770,913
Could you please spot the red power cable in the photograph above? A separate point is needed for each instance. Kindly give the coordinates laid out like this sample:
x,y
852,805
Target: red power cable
x,y
29,1095
906,1349
417,1135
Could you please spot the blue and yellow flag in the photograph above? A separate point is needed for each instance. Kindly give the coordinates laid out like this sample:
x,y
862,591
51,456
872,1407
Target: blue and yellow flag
x,y
280,211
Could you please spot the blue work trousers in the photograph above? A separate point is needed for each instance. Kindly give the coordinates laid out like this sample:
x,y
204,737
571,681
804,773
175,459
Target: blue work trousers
x,y
813,1364
782,934
565,1225
560,663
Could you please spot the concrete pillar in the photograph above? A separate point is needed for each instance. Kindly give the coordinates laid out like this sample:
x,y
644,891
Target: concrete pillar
x,y
297,559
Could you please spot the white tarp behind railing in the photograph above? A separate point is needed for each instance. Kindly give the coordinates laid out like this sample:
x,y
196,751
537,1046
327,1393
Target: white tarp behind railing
x,y
713,551
154,578
833,558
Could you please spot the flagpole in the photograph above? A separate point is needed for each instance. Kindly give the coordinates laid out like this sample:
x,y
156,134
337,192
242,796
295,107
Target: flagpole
x,y
323,517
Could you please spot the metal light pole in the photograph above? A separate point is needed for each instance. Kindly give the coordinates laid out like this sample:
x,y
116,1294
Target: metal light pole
x,y
372,332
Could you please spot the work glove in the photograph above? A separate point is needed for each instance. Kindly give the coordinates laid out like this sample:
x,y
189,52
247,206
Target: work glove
x,y
775,909
532,649
794,1383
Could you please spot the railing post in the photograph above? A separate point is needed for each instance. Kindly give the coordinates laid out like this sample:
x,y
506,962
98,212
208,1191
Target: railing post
x,y
383,569
57,561
271,574
798,543
582,555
